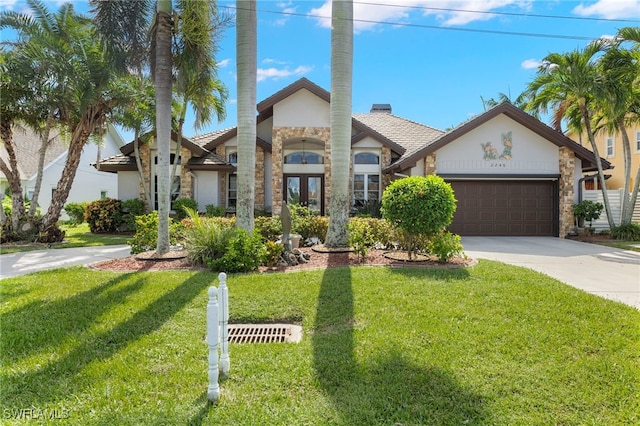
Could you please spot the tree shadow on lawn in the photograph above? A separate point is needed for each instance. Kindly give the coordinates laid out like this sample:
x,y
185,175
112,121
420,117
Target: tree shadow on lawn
x,y
56,380
387,388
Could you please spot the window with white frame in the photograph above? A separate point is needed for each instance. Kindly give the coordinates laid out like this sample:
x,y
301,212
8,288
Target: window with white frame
x,y
232,182
638,141
366,177
610,146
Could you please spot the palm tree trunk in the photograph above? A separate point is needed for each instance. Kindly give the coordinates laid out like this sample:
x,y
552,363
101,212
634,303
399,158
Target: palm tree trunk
x,y
163,119
12,174
627,210
79,136
340,116
246,48
44,143
594,147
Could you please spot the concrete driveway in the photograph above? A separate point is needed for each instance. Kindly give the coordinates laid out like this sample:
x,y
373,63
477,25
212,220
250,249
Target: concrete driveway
x,y
14,264
604,271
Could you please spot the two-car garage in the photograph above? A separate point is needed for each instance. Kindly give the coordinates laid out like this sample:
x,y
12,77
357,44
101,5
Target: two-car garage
x,y
505,207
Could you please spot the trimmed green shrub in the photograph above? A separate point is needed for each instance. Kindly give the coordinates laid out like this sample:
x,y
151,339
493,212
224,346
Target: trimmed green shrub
x,y
445,245
130,209
146,236
270,227
180,204
587,210
75,211
419,206
627,232
104,216
244,254
214,211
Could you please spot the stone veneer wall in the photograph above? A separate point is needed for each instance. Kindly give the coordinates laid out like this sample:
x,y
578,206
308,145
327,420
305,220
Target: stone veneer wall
x,y
566,190
281,134
186,180
145,161
430,164
222,152
386,161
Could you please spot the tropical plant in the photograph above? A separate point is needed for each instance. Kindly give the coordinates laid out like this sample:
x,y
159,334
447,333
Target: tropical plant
x,y
206,239
340,118
104,216
587,210
418,206
75,211
181,205
244,253
627,232
445,246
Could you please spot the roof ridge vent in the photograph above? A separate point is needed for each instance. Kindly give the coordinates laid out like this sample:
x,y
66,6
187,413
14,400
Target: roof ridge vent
x,y
386,108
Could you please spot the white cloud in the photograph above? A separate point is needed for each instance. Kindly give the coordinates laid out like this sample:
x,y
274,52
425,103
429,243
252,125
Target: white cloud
x,y
276,74
610,9
273,61
224,63
529,64
366,15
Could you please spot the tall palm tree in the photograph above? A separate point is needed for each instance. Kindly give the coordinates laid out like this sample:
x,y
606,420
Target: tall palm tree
x,y
197,84
246,54
617,100
163,85
340,116
566,84
83,92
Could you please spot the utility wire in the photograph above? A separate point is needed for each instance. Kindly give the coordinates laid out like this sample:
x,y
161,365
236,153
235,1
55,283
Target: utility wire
x,y
526,15
433,27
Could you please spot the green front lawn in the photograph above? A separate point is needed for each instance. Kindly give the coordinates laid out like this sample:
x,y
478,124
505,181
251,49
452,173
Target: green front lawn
x,y
492,344
75,236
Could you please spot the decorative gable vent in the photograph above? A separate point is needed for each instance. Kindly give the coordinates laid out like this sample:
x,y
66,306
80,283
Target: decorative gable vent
x,y
381,108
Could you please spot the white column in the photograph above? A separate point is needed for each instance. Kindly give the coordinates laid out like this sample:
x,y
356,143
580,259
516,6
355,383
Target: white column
x,y
223,296
213,319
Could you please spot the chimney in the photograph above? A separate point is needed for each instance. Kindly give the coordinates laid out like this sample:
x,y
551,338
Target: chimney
x,y
386,108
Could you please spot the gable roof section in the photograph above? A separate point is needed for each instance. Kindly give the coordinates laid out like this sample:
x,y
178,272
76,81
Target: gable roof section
x,y
214,139
265,108
186,142
402,136
27,146
516,115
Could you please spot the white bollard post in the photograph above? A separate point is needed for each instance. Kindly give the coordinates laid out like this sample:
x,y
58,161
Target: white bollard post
x,y
223,297
213,391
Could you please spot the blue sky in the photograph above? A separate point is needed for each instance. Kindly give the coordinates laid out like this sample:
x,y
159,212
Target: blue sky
x,y
433,67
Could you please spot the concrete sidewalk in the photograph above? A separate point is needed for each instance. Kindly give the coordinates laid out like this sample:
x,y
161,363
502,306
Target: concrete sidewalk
x,y
604,271
15,264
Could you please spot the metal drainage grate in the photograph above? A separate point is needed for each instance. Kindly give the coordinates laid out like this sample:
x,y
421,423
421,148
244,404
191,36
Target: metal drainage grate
x,y
264,333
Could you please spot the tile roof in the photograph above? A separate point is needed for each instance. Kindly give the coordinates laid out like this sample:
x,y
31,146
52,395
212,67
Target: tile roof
x,y
409,135
27,146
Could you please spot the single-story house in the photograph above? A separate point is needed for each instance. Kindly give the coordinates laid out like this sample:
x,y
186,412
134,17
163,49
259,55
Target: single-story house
x,y
89,184
512,174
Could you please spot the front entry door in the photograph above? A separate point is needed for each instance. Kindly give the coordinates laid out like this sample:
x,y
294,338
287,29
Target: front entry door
x,y
305,190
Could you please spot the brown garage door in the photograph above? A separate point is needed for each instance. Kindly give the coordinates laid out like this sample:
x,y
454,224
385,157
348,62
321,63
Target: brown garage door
x,y
505,208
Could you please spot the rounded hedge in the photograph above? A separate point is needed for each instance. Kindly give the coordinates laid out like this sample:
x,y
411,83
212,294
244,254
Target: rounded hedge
x,y
419,205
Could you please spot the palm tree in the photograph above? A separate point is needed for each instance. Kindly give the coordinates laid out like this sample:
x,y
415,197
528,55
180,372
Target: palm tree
x,y
246,53
340,116
566,84
163,85
197,83
620,96
80,91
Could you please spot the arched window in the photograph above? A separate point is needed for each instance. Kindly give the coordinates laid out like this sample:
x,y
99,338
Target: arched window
x,y
303,157
366,158
233,157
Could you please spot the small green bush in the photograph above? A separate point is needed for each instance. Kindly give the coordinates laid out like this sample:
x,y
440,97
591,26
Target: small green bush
x,y
627,232
244,254
214,211
130,210
75,211
419,206
270,227
361,236
146,236
445,245
369,208
587,210
180,204
272,252
104,216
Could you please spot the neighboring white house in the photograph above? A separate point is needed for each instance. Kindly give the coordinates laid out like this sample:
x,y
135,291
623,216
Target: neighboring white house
x,y
511,173
89,184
